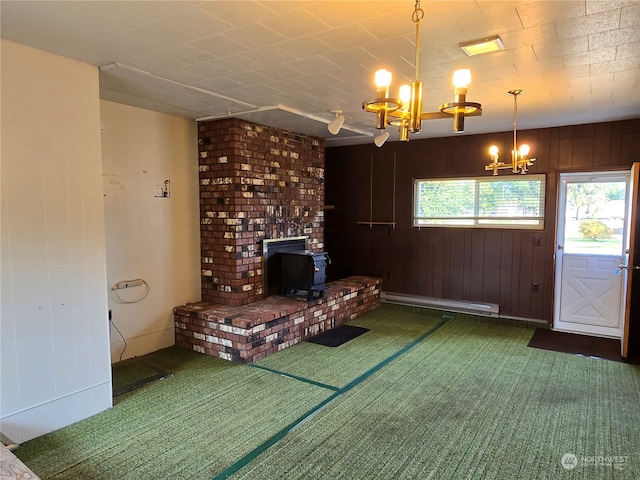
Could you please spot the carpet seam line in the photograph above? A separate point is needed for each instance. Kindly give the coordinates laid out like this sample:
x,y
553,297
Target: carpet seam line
x,y
256,452
295,377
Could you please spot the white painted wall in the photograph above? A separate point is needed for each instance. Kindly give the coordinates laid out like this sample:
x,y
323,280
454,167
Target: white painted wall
x,y
148,236
54,332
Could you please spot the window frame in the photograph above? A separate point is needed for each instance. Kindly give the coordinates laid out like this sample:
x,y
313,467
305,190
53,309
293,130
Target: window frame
x,y
477,221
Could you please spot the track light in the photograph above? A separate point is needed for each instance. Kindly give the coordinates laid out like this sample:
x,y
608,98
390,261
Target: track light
x,y
380,139
335,126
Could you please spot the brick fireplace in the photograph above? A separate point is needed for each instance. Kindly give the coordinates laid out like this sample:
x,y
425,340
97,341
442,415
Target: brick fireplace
x,y
256,183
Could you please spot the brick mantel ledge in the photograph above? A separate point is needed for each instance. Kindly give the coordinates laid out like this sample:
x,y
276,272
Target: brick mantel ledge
x,y
249,332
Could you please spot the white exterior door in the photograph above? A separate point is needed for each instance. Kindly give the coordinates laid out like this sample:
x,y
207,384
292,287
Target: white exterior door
x,y
589,294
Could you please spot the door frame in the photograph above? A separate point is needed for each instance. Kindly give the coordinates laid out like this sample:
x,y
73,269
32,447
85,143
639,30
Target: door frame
x,y
558,248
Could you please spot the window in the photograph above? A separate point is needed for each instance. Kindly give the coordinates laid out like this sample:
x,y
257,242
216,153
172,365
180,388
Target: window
x,y
480,202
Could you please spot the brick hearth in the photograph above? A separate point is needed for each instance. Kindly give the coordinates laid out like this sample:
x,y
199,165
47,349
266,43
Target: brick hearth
x,y
247,333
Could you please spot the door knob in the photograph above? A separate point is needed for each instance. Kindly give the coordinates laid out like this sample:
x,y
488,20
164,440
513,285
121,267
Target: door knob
x,y
625,267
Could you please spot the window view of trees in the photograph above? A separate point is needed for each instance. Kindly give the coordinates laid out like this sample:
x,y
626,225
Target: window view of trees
x,y
512,202
594,217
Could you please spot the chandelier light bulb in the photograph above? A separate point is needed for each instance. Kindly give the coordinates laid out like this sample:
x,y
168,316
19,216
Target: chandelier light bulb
x,y
524,150
405,96
382,78
493,151
462,78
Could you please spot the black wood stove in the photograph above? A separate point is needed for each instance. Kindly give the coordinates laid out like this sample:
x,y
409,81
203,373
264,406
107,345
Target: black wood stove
x,y
303,271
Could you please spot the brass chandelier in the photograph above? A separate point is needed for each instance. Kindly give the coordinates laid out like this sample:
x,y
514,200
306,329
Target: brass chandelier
x,y
405,112
519,161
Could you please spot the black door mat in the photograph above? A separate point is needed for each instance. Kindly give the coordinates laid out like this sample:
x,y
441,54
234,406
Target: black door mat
x,y
337,336
588,346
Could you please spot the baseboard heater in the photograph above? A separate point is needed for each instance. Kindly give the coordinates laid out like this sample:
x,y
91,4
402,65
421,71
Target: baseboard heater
x,y
484,309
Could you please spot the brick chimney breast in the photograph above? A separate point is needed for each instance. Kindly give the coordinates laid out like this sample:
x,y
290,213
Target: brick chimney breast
x,y
256,183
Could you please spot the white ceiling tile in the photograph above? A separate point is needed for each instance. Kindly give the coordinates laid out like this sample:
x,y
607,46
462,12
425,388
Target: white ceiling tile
x,y
541,66
317,80
346,37
630,16
591,57
555,49
289,85
295,24
305,47
351,56
388,26
219,84
248,78
602,5
614,38
339,14
237,64
255,35
196,21
312,65
529,36
158,63
588,25
629,50
164,34
540,13
262,91
268,55
589,80
219,46
278,72
207,70
237,13
188,54
393,47
629,64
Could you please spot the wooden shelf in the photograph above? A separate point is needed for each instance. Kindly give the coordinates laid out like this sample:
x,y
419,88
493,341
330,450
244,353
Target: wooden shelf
x,y
393,224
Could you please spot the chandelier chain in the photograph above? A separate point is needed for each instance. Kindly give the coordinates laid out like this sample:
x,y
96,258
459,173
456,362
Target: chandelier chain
x,y
418,14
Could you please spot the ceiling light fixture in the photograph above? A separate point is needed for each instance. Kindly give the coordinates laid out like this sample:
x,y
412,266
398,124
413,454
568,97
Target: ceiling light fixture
x,y
406,112
485,45
336,124
519,160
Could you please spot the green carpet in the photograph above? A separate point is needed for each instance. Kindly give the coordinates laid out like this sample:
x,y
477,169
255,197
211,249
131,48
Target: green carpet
x,y
191,425
416,397
390,329
471,402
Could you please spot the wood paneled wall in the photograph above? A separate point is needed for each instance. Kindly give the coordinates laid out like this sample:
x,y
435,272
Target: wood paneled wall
x,y
480,265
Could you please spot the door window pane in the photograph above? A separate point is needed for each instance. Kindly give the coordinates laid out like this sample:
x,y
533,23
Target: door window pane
x,y
594,218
